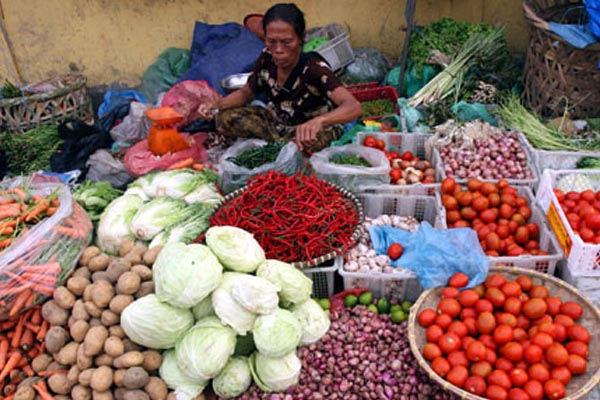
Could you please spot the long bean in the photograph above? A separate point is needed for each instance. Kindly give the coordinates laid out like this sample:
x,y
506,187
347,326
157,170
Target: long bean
x,y
257,156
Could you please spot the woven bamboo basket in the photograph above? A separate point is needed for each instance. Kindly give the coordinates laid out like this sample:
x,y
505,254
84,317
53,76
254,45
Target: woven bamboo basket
x,y
579,387
69,99
558,76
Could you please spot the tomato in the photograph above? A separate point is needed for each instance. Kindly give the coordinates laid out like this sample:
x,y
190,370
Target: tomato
x,y
518,377
480,204
518,394
434,333
449,202
475,385
571,309
525,212
587,235
533,354
564,320
431,351
560,332
495,281
461,224
562,374
395,174
500,378
515,251
534,230
572,195
449,292
492,241
443,320
426,317
534,389
523,322
490,355
488,188
513,306
453,216
522,235
395,251
576,364
448,186
538,372
467,312
504,364
554,389
457,375
466,341
449,342
534,308
468,298
458,327
553,304
486,322
520,335
507,319
449,306
503,231
549,328
503,334
468,213
441,366
407,156
488,341
592,221
458,280
508,199
577,347
588,195
543,340
481,368
458,357
578,332
505,211
381,144
557,355
512,351
495,392
511,289
471,325
370,141
483,305
476,351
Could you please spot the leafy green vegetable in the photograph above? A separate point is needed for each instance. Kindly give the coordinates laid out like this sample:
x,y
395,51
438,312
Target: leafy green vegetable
x,y
234,380
235,248
158,214
30,151
378,107
295,286
10,90
94,197
275,374
185,387
588,163
113,227
313,319
255,157
349,159
277,334
176,183
229,311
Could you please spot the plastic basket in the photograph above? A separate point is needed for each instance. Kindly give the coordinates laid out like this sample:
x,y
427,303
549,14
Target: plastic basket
x,y
378,93
323,278
544,263
587,282
356,87
404,284
401,142
580,256
337,50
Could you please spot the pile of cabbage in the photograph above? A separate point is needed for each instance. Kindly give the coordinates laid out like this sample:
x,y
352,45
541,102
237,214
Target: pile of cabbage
x,y
160,208
223,312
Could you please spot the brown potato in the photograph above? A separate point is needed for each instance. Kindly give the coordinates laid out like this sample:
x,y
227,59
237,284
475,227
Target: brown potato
x,y
118,377
128,283
109,318
129,359
82,272
80,392
146,288
106,395
64,298
73,375
103,359
113,346
152,360
126,246
135,378
143,271
24,392
136,395
41,362
119,302
55,314
85,377
92,309
56,337
98,263
94,341
79,329
79,311
77,284
130,345
68,354
149,256
84,362
102,293
116,268
156,388
89,253
102,379
117,330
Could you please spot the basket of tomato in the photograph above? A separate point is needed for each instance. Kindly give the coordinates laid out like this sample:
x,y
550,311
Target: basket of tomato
x,y
519,335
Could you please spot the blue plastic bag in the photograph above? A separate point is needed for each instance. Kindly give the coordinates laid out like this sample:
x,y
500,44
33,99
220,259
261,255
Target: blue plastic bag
x,y
593,9
114,98
435,255
221,50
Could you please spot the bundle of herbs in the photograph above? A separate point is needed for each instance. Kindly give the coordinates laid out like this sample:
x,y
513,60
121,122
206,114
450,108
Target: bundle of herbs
x,y
30,151
257,156
349,159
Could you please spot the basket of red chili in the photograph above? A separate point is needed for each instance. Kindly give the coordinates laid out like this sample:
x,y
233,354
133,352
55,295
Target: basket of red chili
x,y
297,219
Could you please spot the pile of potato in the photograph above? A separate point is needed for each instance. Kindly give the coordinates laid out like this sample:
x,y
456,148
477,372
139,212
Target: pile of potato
x,y
86,338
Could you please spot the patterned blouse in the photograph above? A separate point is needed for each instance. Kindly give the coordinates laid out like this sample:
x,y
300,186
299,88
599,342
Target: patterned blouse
x,y
305,94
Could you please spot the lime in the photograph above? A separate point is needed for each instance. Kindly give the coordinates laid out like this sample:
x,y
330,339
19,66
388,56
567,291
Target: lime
x,y
398,317
350,300
325,304
406,305
366,298
395,307
373,308
383,305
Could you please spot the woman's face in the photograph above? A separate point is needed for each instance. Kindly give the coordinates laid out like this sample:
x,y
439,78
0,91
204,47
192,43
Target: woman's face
x,y
283,42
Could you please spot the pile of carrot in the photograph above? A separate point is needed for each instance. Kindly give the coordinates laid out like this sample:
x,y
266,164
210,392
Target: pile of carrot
x,y
21,340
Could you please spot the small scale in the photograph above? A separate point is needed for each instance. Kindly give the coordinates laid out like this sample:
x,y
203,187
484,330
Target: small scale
x,y
163,138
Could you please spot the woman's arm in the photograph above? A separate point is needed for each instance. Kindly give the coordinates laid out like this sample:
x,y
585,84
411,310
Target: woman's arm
x,y
235,99
348,109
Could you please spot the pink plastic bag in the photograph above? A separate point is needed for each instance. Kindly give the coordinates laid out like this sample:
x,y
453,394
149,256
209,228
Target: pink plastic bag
x,y
185,97
139,160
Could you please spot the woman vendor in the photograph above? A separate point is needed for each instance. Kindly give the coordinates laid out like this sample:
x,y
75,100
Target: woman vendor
x,y
305,98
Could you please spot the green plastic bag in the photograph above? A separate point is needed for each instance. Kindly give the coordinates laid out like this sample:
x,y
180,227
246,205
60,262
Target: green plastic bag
x,y
464,111
413,79
164,72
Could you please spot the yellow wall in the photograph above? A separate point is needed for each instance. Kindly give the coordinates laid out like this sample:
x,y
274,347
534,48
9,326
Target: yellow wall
x,y
115,40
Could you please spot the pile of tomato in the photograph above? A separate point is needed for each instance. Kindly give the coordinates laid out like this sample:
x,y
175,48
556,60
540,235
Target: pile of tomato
x,y
407,168
498,214
583,213
505,340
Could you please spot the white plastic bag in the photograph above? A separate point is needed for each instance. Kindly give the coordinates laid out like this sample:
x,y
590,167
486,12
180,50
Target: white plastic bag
x,y
289,161
351,177
104,167
135,126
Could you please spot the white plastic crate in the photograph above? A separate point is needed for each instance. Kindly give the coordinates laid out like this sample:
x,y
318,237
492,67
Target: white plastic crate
x,y
547,240
532,183
337,50
404,284
401,142
323,278
580,256
587,282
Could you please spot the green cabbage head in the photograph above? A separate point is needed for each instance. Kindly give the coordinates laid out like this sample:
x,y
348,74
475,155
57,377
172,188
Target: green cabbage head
x,y
229,311
154,324
203,309
114,223
255,294
313,319
185,387
275,374
295,286
277,334
235,248
185,275
234,380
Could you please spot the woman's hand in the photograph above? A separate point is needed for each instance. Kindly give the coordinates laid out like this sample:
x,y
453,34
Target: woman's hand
x,y
208,111
307,132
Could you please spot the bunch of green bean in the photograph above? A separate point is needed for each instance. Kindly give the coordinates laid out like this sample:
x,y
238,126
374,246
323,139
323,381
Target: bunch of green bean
x,y
257,156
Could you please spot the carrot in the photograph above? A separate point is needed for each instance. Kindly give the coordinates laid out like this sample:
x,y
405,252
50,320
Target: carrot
x,y
49,268
7,200
74,233
50,211
42,391
36,317
32,327
40,278
28,370
52,372
9,212
7,230
54,202
4,243
8,325
18,303
37,210
41,335
198,166
3,352
186,163
14,290
20,193
11,223
12,362
18,333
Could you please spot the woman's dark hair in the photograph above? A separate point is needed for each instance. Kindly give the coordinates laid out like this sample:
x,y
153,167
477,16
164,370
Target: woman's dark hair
x,y
286,12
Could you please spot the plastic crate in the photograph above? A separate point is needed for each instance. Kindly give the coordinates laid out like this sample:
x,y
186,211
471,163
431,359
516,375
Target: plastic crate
x,y
337,50
401,142
580,256
544,159
404,284
548,242
356,87
441,172
378,93
587,282
323,278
